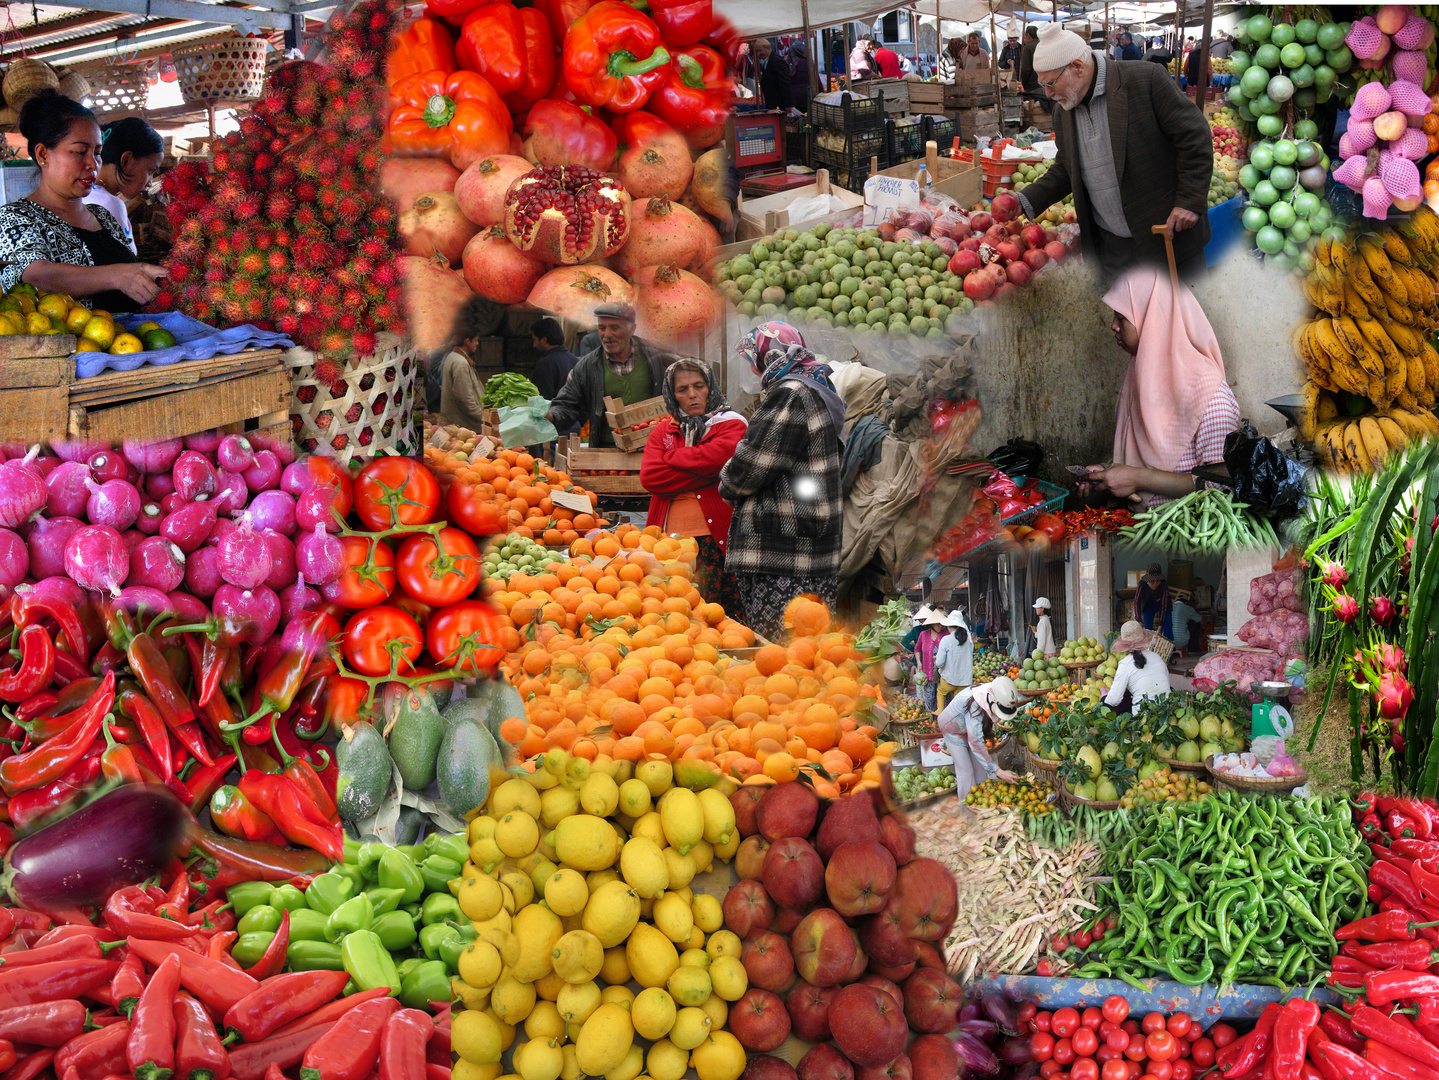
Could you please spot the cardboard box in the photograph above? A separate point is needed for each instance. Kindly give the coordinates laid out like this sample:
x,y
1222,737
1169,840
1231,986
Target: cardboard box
x,y
766,215
960,180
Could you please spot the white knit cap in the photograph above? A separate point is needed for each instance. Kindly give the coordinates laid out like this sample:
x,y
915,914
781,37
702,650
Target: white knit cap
x,y
1057,48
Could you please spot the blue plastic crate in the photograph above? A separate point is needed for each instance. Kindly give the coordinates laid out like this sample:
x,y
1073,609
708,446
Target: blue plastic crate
x,y
1225,230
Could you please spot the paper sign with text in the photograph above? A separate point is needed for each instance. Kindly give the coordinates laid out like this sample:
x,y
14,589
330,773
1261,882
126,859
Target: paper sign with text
x,y
885,194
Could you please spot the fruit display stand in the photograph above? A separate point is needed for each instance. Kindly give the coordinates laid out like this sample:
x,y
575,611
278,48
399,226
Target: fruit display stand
x,y
631,424
603,471
44,401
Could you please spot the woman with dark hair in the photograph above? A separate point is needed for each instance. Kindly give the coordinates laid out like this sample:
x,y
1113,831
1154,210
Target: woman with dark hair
x,y
1141,674
460,388
130,153
51,239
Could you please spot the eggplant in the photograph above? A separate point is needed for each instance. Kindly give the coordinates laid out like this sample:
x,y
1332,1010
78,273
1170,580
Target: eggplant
x,y
123,837
975,1056
983,1030
1014,1052
997,1008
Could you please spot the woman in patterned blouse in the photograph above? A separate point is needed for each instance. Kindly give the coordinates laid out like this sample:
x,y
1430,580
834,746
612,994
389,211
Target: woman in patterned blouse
x,y
51,239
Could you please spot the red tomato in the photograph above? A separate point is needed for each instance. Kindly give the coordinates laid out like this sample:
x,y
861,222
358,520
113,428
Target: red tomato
x,y
1149,1076
1194,1032
367,579
1203,1053
1106,1027
1183,1069
1065,1022
1064,1052
439,569
1091,1018
1041,1046
1152,1022
1135,1050
1044,969
1084,939
1159,1045
376,634
1026,1011
474,513
1052,525
1164,1070
1118,1039
465,636
1181,1048
1116,1008
1086,1042
1135,1069
1106,1053
1131,1026
1051,1068
1115,1070
394,491
1043,1020
1178,1024
1084,1069
418,609
1221,1034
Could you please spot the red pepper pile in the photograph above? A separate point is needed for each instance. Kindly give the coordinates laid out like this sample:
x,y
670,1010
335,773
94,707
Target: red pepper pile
x,y
152,992
1096,519
1105,1044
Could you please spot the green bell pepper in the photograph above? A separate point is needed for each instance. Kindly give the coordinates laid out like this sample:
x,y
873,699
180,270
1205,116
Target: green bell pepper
x,y
413,852
452,846
412,910
368,963
451,948
307,925
248,948
398,872
262,917
314,956
288,898
404,967
244,895
356,876
395,929
352,850
328,891
440,907
385,900
438,871
370,854
354,914
427,982
433,936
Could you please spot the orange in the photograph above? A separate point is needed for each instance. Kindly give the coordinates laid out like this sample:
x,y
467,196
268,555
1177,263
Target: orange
x,y
781,767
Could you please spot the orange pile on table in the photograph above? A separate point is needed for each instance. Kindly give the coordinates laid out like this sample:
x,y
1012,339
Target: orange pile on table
x,y
517,490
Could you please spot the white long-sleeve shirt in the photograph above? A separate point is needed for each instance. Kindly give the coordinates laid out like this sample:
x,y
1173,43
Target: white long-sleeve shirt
x,y
953,662
1150,681
963,718
1044,636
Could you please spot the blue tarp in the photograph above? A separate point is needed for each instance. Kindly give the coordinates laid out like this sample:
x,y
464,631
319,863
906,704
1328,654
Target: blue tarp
x,y
1208,1002
194,340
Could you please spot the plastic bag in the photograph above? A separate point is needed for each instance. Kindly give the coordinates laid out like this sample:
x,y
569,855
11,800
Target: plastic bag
x,y
1265,747
1276,591
1263,476
1012,498
1282,764
1279,630
939,202
1018,457
525,425
951,225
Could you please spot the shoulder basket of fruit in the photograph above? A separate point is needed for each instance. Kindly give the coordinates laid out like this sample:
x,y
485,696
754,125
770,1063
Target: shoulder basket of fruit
x,y
904,709
1039,674
1165,785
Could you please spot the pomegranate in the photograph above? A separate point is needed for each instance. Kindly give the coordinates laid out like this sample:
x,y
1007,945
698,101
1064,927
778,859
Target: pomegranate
x,y
946,245
663,232
1055,250
567,214
433,295
435,223
498,270
1004,207
1010,252
885,230
970,243
1036,258
714,185
981,222
1019,272
662,166
1033,235
573,292
964,260
402,179
1050,233
979,285
673,304
481,188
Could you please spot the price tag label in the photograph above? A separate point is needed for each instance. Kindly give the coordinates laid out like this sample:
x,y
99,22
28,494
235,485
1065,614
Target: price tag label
x,y
484,448
580,504
885,194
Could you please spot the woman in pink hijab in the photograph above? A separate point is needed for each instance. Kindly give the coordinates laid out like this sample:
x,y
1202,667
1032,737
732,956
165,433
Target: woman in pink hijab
x,y
1175,407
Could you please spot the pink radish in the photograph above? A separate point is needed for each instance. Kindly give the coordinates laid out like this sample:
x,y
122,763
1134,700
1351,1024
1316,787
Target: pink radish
x,y
189,525
115,503
47,545
188,609
202,572
46,465
194,476
244,556
274,510
206,442
76,451
158,563
158,485
263,473
22,490
149,520
296,479
256,610
319,556
108,465
152,457
96,558
232,495
132,537
298,598
282,560
56,587
14,559
235,453
279,445
320,505
223,528
173,501
66,493
144,602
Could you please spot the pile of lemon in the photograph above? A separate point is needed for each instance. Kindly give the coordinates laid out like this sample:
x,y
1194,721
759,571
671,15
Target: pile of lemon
x,y
579,883
25,310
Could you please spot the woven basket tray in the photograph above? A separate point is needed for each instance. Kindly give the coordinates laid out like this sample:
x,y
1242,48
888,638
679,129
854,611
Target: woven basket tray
x,y
1186,766
230,69
1254,783
118,88
370,411
1036,764
1064,796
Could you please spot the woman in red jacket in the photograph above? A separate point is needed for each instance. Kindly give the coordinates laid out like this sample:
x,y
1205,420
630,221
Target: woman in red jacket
x,y
683,458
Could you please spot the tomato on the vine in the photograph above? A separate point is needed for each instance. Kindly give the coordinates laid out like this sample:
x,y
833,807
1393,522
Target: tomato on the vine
x,y
466,636
439,569
474,513
393,491
365,581
372,636
418,609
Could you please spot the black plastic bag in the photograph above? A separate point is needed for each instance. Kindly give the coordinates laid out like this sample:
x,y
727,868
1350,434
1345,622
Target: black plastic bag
x,y
1018,457
1262,475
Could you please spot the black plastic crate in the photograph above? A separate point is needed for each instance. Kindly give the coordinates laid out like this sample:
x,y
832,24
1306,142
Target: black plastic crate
x,y
848,169
904,141
940,130
855,114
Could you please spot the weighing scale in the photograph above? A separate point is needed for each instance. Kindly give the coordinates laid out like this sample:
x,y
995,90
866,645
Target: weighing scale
x,y
755,138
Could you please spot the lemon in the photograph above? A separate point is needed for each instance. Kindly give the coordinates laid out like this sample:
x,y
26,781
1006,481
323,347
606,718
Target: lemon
x,y
585,842
727,851
513,795
512,1000
465,1070
681,867
708,912
729,978
658,776
479,965
540,1060
577,1002
718,814
565,892
476,1037
156,339
617,995
126,343
577,771
703,856
652,956
724,943
673,917
36,323
720,1057
54,305
691,1027
605,1039
599,795
717,1009
470,996
480,898
486,854
634,798
643,865
480,828
632,1065
558,803
695,957
616,970
76,318
665,1061
612,913
548,988
578,956
520,887
503,940
653,1013
689,986
683,818
598,878
537,928
651,828
545,1022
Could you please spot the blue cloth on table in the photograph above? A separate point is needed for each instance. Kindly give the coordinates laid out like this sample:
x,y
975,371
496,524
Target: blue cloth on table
x,y
194,340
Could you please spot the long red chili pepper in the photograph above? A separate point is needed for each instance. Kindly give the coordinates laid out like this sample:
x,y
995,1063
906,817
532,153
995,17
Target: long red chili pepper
x,y
1396,925
30,1067
350,1049
328,1014
1291,1037
217,985
283,802
81,948
29,807
128,982
68,670
137,707
131,911
45,1023
1415,955
1421,851
1418,815
205,780
1392,1063
30,610
281,999
199,1053
258,862
1382,987
96,1053
1387,875
54,757
1373,1024
1336,1026
33,671
53,981
402,1045
1256,1047
150,1050
285,1050
272,961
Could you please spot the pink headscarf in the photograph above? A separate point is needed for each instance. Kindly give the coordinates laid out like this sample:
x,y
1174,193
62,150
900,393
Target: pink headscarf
x,y
1170,381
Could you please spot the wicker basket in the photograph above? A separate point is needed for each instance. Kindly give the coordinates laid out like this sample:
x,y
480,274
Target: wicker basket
x,y
230,69
25,78
370,411
1036,764
1185,766
1162,647
74,86
118,88
1264,785
1064,795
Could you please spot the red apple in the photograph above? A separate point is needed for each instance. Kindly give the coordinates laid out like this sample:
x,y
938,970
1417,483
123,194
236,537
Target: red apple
x,y
749,859
747,907
824,1062
1036,258
925,893
1019,272
1034,235
895,974
933,1057
981,221
768,1067
894,831
767,961
898,1069
859,877
1004,206
849,818
874,1029
926,955
978,286
759,1020
1010,252
823,948
932,1001
965,260
1055,250
787,810
861,961
884,938
746,804
879,982
785,920
808,1007
793,872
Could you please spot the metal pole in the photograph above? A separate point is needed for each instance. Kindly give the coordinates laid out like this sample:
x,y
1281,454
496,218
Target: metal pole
x,y
1179,41
809,48
1203,46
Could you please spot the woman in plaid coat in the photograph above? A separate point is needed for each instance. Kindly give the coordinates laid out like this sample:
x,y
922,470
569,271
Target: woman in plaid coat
x,y
784,482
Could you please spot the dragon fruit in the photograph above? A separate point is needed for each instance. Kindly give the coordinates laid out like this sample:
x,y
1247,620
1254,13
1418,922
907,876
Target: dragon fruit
x,y
1351,172
1382,610
1345,608
1409,98
1365,39
1393,695
1334,574
1377,198
1410,66
1371,100
1417,34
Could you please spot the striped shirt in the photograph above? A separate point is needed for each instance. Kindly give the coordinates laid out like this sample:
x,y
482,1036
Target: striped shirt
x,y
1221,416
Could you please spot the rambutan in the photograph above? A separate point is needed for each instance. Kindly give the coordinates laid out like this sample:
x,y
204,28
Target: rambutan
x,y
279,305
365,342
371,160
306,217
165,300
232,312
332,294
330,140
345,234
262,239
264,163
329,198
311,327
216,226
252,263
278,261
306,191
220,158
180,272
336,343
241,288
383,213
254,309
353,299
386,275
350,207
347,321
332,85
371,248
247,207
288,324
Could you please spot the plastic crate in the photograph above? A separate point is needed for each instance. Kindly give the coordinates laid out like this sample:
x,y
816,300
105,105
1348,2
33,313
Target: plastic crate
x,y
904,141
939,130
1226,230
849,169
855,114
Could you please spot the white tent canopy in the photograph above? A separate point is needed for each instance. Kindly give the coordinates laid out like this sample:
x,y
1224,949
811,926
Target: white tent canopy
x,y
787,16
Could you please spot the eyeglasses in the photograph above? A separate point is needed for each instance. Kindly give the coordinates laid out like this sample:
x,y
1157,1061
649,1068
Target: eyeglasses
x,y
1047,85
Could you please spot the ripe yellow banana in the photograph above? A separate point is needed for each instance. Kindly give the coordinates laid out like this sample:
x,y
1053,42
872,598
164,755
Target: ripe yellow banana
x,y
1395,247
1409,340
1393,434
1363,281
1375,446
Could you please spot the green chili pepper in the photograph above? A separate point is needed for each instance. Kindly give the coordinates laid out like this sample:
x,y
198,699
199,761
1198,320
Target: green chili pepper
x,y
328,891
427,982
287,898
396,871
263,917
314,956
368,963
440,907
245,895
354,914
385,900
395,929
248,948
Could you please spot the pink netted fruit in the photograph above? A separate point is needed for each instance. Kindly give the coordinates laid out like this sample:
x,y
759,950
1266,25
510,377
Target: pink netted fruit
x,y
1416,34
1413,144
1364,38
1410,66
1377,199
1351,172
1361,133
1409,98
1400,177
1371,100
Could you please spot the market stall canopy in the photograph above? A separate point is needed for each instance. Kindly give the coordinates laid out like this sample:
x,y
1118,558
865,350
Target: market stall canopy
x,y
786,16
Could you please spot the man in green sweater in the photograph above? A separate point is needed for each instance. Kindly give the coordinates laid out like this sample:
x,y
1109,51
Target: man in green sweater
x,y
624,367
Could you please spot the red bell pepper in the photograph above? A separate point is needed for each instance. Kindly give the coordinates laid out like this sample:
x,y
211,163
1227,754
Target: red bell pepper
x,y
1370,827
424,45
512,48
33,671
569,133
724,39
1363,803
452,11
403,1043
199,1053
1291,1037
1399,826
150,1049
682,22
351,1049
561,13
216,984
459,116
696,96
614,57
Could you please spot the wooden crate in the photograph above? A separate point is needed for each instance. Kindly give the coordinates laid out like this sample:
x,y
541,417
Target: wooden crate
x,y
622,419
588,468
44,402
968,95
927,97
895,93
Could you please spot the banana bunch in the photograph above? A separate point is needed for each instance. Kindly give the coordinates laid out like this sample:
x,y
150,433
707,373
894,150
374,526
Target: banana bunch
x,y
1359,443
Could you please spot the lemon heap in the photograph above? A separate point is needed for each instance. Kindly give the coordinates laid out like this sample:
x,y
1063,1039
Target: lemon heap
x,y
579,884
24,310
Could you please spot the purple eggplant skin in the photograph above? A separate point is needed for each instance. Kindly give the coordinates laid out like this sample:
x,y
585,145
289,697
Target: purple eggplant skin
x,y
123,837
1014,1052
983,1030
970,1011
975,1056
997,1008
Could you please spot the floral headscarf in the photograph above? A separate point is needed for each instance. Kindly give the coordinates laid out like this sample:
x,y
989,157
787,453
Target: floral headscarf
x,y
776,351
692,428
766,338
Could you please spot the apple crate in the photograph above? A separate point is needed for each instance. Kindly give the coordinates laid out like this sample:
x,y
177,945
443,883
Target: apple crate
x,y
603,471
631,424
